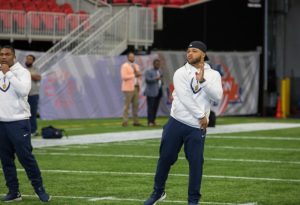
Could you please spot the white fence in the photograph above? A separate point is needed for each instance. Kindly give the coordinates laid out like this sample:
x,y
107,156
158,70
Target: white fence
x,y
37,25
108,38
141,27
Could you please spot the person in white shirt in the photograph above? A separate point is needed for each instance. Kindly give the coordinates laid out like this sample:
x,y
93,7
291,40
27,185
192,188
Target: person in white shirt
x,y
15,138
196,86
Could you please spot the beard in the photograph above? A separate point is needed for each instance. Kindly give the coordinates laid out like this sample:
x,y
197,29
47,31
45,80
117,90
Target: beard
x,y
194,61
28,64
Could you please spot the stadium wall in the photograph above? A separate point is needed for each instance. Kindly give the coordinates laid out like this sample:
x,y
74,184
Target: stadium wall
x,y
89,86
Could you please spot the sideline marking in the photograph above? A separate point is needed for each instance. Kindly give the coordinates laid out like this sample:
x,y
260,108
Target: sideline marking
x,y
156,134
112,198
73,147
156,157
56,148
176,175
210,146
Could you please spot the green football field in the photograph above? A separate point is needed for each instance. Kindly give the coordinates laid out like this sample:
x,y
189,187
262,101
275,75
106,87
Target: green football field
x,y
261,167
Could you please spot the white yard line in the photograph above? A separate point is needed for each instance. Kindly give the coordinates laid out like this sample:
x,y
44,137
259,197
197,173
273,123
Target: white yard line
x,y
77,146
175,175
255,148
156,157
256,138
254,161
113,198
154,134
135,143
76,128
58,148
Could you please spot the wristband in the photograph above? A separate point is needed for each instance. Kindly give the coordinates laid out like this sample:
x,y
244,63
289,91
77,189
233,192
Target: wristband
x,y
202,81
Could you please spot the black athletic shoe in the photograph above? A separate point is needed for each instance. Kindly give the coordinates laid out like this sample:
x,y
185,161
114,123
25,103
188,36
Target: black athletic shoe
x,y
43,196
12,196
155,197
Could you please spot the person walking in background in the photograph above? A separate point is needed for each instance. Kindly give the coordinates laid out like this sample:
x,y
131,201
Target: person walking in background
x,y
15,84
33,98
131,81
196,85
153,91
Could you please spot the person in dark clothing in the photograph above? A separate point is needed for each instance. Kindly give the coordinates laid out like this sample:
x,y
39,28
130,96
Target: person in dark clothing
x,y
153,91
33,97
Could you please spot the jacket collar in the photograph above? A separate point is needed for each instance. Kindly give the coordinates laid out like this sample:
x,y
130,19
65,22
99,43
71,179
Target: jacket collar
x,y
16,66
191,68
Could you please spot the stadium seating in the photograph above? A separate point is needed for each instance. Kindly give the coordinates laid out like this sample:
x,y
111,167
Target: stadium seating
x,y
42,6
66,8
6,21
140,2
36,20
29,8
17,7
5,6
81,12
159,2
63,18
36,5
54,8
120,1
177,2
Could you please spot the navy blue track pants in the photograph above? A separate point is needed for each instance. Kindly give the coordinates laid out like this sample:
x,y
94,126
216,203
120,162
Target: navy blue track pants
x,y
15,139
33,101
175,134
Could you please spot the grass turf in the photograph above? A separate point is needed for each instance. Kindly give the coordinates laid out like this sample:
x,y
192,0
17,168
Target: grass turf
x,y
91,126
239,168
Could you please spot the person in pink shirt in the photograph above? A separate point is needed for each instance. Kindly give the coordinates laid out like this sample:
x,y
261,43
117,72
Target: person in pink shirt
x,y
131,83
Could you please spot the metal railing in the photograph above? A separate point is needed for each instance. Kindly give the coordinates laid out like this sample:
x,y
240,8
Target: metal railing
x,y
89,6
73,39
141,27
106,32
12,23
37,25
109,39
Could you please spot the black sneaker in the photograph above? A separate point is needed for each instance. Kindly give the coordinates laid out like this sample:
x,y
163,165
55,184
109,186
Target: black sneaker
x,y
43,196
155,197
12,196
